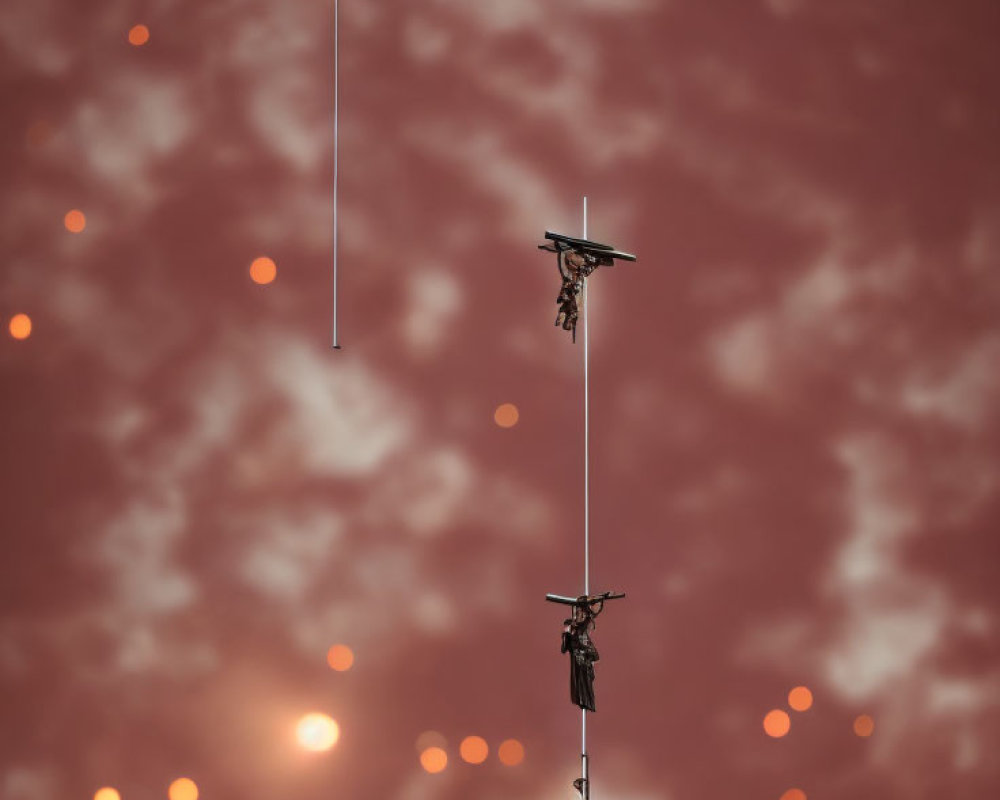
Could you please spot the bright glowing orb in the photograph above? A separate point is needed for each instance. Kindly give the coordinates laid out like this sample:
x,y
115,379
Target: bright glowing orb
x,y
474,749
20,326
183,789
138,35
506,415
340,657
434,759
263,270
75,221
317,732
777,723
800,698
107,793
794,794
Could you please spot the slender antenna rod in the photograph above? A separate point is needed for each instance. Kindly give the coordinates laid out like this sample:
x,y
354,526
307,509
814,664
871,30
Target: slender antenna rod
x,y
584,758
336,147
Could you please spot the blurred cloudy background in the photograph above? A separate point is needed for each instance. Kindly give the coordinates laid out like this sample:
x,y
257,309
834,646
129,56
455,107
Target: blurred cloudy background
x,y
794,397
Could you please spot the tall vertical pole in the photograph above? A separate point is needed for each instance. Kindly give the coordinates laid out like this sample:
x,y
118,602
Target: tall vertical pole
x,y
336,148
584,758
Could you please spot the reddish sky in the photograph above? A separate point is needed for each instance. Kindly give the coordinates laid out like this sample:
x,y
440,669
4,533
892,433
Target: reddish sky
x,y
794,393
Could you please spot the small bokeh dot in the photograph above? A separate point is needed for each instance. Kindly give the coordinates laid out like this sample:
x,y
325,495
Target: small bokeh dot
x,y
434,760
474,749
183,789
510,752
138,35
75,221
506,415
864,726
800,698
20,326
263,270
340,657
777,723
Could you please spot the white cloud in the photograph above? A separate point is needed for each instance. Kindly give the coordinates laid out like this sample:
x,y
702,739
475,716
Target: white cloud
x,y
435,298
963,392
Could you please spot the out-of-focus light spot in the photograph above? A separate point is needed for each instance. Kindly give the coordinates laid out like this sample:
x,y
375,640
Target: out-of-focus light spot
x,y
474,749
317,732
864,725
340,657
183,789
794,794
800,698
138,35
263,270
510,752
20,326
107,793
506,415
75,221
434,759
431,739
776,723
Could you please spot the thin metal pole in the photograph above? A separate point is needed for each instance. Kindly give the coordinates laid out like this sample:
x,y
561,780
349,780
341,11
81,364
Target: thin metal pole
x,y
584,757
586,426
336,148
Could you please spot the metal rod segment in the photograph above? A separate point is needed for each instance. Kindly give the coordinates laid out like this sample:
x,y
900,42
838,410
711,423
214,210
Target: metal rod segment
x,y
586,425
584,773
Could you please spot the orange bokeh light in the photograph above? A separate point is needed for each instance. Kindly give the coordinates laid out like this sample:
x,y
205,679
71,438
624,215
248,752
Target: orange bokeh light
x,y
510,752
340,657
138,35
777,723
107,793
183,789
800,698
317,732
434,759
474,749
794,794
20,326
263,270
506,415
75,221
864,725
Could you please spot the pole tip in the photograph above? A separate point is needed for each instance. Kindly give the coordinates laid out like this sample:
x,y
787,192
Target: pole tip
x,y
336,347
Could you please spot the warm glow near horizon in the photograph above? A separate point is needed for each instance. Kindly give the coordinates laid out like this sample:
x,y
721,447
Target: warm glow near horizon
x,y
794,794
800,698
75,220
340,657
107,793
434,759
183,789
317,732
474,749
510,752
506,415
20,326
263,270
777,723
